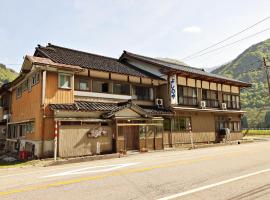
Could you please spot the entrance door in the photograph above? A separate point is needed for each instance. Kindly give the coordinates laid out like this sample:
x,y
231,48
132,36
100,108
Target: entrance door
x,y
131,134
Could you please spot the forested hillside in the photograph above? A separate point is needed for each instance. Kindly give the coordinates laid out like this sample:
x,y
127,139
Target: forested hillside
x,y
248,67
6,74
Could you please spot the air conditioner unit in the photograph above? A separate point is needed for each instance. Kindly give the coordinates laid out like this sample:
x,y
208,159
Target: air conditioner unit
x,y
6,116
224,106
159,103
202,104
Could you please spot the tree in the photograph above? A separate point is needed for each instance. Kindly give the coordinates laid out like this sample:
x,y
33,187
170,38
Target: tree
x,y
244,122
267,119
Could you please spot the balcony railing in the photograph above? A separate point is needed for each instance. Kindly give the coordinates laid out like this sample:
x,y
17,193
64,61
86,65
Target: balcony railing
x,y
212,103
233,105
188,101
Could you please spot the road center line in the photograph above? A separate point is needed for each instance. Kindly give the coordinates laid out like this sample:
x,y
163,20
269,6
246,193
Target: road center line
x,y
117,173
213,185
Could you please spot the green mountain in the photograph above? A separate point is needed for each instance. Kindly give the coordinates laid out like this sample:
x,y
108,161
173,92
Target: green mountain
x,y
6,74
248,67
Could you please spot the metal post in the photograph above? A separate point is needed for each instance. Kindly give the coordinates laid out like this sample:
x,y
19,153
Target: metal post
x,y
191,136
267,74
55,140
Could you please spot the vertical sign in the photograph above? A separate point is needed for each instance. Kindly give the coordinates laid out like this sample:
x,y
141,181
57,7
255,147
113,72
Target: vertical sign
x,y
173,89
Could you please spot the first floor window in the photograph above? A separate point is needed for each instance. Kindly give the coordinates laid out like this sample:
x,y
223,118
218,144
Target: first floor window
x,y
65,81
167,124
180,123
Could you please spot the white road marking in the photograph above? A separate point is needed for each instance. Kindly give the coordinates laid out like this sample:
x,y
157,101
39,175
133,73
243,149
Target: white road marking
x,y
213,185
92,169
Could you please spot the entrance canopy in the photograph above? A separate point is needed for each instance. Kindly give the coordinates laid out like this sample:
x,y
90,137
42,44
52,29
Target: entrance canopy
x,y
103,110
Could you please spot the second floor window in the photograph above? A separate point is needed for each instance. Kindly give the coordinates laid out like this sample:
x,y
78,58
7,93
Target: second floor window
x,y
100,86
187,95
143,93
119,88
211,98
232,101
83,85
64,81
19,91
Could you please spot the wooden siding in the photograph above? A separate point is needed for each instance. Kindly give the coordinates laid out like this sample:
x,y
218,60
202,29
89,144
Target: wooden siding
x,y
191,82
55,94
235,89
213,86
73,141
28,107
205,85
99,74
182,80
119,77
134,79
146,81
198,83
226,88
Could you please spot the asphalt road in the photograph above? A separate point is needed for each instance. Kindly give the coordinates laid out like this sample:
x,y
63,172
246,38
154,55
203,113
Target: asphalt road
x,y
229,172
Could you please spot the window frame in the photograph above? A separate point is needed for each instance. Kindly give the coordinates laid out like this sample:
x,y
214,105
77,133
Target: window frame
x,y
70,80
135,96
184,96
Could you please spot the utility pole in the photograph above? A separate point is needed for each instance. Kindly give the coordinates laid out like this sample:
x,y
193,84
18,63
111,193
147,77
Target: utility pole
x,y
267,74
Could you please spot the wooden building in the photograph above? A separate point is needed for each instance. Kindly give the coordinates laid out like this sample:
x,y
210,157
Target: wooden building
x,y
86,104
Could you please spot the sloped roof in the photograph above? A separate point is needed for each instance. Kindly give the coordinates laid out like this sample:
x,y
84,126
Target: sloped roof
x,y
170,66
87,60
111,108
85,106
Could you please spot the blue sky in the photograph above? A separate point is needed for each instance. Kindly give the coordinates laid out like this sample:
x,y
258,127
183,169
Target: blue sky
x,y
157,28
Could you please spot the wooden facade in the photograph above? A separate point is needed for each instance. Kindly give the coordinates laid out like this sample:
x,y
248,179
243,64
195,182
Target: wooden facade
x,y
129,127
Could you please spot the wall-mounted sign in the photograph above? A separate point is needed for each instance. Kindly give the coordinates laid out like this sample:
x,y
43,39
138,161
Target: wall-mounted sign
x,y
97,132
173,89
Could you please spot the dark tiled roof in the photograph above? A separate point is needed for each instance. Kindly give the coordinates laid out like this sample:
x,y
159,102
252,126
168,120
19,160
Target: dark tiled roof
x,y
86,60
154,110
181,68
112,108
85,106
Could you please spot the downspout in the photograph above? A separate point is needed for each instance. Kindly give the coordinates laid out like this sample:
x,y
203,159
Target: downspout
x,y
43,87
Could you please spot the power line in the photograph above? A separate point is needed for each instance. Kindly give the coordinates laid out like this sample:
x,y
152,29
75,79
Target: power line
x,y
213,45
257,33
11,64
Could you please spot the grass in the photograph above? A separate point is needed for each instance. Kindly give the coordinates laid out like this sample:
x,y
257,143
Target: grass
x,y
15,164
257,132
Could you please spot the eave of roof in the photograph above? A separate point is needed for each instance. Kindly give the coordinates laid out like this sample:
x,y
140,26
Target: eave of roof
x,y
173,68
110,108
87,60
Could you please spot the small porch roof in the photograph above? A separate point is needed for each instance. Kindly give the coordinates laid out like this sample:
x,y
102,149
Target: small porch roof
x,y
110,109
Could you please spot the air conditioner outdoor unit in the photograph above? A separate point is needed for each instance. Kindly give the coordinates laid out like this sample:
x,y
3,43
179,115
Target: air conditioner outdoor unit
x,y
224,106
159,103
202,104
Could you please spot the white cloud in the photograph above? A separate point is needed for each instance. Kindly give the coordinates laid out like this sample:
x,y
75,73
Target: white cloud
x,y
192,29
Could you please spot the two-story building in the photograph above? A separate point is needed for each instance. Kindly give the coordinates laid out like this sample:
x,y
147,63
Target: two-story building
x,y
77,103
